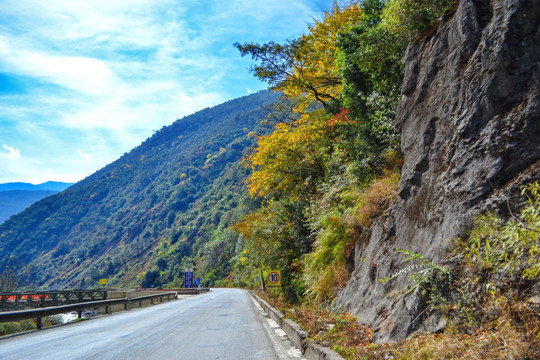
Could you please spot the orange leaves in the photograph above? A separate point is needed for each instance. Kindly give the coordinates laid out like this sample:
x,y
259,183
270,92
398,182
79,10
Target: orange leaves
x,y
340,118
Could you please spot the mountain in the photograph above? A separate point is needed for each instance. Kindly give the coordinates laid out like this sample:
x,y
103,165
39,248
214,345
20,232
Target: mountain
x,y
46,186
15,201
16,196
146,216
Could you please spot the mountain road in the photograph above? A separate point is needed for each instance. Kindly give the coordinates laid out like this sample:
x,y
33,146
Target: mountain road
x,y
221,324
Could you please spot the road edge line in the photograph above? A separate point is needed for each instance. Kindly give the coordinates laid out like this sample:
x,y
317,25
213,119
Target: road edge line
x,y
297,336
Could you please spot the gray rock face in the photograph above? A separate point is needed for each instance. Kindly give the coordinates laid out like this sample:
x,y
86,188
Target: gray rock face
x,y
469,118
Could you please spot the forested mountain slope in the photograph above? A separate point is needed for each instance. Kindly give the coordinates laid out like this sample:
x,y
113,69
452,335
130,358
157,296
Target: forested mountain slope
x,y
15,201
111,224
15,197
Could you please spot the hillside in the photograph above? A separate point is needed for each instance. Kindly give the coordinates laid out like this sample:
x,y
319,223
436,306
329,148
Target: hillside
x,y
15,197
112,223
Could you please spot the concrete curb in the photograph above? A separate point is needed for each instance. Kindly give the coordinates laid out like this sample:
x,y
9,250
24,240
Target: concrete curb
x,y
297,336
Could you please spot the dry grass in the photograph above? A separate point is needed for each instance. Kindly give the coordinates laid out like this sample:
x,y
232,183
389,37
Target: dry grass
x,y
373,201
326,267
490,327
339,331
493,341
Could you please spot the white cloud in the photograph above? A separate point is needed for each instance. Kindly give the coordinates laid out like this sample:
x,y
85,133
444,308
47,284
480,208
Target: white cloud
x,y
13,153
103,74
87,158
87,75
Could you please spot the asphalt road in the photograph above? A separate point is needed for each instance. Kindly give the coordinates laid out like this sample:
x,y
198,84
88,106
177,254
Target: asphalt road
x,y
221,324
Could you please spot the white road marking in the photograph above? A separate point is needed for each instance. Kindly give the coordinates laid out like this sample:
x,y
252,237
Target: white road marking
x,y
283,346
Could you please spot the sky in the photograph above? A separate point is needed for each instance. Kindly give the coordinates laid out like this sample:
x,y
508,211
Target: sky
x,y
84,81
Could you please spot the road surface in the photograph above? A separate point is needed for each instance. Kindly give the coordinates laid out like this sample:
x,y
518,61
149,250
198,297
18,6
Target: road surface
x,y
221,324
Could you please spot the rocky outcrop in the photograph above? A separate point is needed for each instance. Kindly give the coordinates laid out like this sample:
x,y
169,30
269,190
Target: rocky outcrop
x,y
469,118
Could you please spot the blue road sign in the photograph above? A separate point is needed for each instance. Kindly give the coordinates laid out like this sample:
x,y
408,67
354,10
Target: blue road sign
x,y
188,278
197,281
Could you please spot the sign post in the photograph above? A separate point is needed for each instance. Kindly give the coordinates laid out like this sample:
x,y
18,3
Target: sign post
x,y
263,286
273,278
188,278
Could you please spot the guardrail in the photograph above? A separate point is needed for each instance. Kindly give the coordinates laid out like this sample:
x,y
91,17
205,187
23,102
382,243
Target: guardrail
x,y
183,291
20,300
55,310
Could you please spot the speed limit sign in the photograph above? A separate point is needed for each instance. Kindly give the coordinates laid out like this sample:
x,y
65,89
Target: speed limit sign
x,y
274,278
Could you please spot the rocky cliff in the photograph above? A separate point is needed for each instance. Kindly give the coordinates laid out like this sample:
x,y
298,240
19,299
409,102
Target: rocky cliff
x,y
469,118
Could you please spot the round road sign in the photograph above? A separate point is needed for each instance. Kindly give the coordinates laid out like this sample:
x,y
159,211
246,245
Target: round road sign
x,y
273,278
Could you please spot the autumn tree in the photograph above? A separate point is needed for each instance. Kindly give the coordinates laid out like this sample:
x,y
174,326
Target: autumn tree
x,y
341,82
304,68
291,159
275,238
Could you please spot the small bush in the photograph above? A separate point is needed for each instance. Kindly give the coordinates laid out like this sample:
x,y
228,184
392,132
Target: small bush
x,y
409,17
16,327
512,246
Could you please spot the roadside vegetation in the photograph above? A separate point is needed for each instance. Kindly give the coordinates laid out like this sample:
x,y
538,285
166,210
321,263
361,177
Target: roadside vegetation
x,y
14,327
330,165
487,292
330,168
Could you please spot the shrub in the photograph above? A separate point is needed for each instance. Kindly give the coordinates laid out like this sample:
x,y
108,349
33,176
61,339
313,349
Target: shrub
x,y
410,17
510,246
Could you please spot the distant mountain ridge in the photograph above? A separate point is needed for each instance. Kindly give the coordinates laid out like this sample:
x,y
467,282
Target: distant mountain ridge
x,y
49,185
17,196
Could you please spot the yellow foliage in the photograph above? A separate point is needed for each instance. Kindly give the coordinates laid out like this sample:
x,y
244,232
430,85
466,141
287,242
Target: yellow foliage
x,y
263,230
283,159
315,75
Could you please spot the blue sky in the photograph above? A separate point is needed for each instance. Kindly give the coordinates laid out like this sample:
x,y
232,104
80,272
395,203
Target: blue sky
x,y
82,82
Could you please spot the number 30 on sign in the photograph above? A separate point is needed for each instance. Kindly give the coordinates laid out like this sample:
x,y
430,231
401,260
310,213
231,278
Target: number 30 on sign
x,y
273,278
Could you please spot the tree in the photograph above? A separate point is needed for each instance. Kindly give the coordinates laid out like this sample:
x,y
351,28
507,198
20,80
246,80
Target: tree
x,y
290,161
409,17
9,279
305,68
275,236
